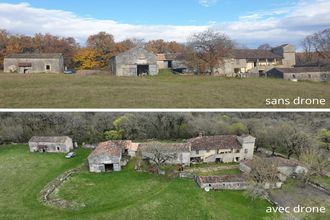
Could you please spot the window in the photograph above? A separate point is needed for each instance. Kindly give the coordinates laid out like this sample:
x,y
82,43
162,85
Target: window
x,y
208,151
47,67
197,152
58,148
246,151
237,151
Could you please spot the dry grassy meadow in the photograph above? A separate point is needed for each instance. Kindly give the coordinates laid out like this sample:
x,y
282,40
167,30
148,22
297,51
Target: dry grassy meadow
x,y
163,91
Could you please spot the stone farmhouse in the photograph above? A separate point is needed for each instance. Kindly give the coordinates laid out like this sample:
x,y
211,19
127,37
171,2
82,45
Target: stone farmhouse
x,y
134,62
301,73
221,149
206,149
253,62
51,144
34,63
108,156
232,182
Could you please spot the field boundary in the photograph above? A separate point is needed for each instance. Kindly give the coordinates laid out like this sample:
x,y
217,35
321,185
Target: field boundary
x,y
48,195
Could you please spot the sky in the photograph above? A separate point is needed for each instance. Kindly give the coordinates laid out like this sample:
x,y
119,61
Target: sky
x,y
248,22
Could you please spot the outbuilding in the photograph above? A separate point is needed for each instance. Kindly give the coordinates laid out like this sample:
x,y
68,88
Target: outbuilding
x,y
51,144
300,73
107,157
34,63
134,62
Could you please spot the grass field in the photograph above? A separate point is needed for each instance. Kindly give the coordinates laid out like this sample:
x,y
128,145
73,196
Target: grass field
x,y
163,91
122,195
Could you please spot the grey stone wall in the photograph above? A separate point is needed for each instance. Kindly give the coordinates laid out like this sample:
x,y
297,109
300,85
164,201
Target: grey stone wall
x,y
51,147
37,65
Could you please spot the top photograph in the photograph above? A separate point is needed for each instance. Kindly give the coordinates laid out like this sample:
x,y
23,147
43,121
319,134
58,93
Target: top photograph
x,y
165,54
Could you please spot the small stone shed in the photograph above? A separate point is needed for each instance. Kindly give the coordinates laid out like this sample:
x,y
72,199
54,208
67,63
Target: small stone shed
x,y
106,157
34,63
230,182
174,61
181,151
51,144
301,73
134,62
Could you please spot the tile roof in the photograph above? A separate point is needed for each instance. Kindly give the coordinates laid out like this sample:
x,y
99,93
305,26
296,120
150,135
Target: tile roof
x,y
215,142
254,54
50,139
222,178
35,56
165,147
109,148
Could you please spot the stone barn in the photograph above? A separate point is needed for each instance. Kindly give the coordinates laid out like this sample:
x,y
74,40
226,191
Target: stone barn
x,y
107,157
34,63
230,182
51,144
301,73
134,62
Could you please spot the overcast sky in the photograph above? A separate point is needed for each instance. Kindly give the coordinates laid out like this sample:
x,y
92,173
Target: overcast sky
x,y
249,22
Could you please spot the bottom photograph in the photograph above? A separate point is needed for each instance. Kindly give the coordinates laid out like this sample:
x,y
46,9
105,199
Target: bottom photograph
x,y
165,165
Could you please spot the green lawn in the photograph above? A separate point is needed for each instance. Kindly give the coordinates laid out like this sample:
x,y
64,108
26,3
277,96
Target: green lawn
x,y
324,181
122,195
163,91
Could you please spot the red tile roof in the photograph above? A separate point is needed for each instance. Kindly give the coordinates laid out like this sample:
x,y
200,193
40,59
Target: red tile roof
x,y
110,148
255,54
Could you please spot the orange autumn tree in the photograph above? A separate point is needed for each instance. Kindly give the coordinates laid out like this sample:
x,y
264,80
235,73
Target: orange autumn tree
x,y
87,59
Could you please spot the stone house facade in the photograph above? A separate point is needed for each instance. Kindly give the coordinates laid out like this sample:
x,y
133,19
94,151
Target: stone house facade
x,y
254,62
222,149
223,182
51,144
134,62
34,63
301,73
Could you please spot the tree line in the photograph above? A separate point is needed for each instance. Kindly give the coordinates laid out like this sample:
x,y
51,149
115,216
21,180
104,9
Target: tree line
x,y
286,133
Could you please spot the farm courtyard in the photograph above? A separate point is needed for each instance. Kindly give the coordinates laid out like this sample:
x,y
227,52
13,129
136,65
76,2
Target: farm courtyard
x,y
122,195
162,91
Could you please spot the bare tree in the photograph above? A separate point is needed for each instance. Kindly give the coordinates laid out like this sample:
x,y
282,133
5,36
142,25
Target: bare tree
x,y
317,46
210,48
265,47
160,157
316,163
262,173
